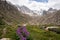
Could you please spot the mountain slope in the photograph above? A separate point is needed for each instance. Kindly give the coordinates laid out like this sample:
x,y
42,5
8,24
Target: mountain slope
x,y
51,18
11,14
26,10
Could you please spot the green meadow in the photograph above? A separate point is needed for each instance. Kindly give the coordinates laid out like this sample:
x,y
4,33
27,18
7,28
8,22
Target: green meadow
x,y
35,33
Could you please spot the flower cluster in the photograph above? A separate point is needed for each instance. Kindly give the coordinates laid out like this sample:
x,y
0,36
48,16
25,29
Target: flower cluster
x,y
22,33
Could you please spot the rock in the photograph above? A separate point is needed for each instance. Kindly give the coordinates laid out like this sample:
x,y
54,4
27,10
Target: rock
x,y
5,39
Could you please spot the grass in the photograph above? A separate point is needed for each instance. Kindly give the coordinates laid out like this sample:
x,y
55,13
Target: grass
x,y
39,34
35,33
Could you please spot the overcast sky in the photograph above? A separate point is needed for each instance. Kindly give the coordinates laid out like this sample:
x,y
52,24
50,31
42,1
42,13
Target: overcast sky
x,y
38,4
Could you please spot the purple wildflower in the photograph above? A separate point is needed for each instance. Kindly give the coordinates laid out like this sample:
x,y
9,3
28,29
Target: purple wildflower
x,y
25,31
22,33
23,38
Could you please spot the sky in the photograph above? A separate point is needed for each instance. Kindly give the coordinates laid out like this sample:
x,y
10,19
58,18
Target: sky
x,y
40,0
37,4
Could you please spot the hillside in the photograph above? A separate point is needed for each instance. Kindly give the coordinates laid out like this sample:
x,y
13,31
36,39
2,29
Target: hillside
x,y
11,15
51,18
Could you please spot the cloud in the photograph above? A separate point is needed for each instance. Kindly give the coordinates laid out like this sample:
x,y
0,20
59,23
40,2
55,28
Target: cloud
x,y
34,5
54,4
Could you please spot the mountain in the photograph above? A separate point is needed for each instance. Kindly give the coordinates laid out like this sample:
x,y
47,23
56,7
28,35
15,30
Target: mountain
x,y
43,17
52,18
26,10
52,10
11,15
